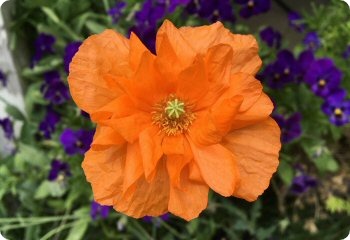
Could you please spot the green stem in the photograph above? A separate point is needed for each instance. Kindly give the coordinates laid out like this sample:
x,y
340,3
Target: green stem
x,y
57,230
171,229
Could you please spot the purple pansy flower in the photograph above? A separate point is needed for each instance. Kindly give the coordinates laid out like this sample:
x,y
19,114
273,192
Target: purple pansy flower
x,y
76,141
306,58
54,90
116,11
165,217
48,125
346,53
69,53
3,78
213,10
7,126
302,183
271,37
58,169
337,108
312,41
43,45
253,7
281,72
295,21
290,127
98,210
323,77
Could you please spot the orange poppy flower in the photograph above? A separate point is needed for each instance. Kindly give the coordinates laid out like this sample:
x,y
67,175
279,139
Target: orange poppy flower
x,y
172,125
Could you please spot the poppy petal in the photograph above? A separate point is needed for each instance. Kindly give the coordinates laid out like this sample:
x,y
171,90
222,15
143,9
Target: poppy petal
x,y
218,167
106,137
98,56
190,201
245,47
256,149
151,150
105,171
149,198
260,111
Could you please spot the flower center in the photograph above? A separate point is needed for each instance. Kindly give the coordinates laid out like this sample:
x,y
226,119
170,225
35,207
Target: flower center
x,y
250,3
175,108
322,83
172,116
286,71
338,112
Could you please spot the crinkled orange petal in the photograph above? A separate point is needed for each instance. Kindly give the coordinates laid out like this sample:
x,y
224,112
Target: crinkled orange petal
x,y
149,198
175,165
218,65
99,56
256,149
122,106
195,173
260,111
210,127
173,145
105,171
137,49
130,127
193,84
244,85
133,167
218,167
189,202
106,137
183,50
151,150
245,47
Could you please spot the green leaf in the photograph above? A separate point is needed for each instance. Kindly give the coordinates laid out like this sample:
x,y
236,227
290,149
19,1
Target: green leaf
x,y
95,27
285,172
43,190
78,230
29,154
14,112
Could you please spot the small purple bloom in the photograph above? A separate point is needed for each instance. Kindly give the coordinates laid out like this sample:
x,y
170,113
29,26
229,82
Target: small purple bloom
x,y
337,108
302,183
98,210
151,12
213,10
346,53
76,142
54,90
48,125
305,59
3,78
58,168
69,53
323,77
43,45
271,37
176,3
296,21
290,127
116,11
165,217
281,72
7,126
312,41
253,7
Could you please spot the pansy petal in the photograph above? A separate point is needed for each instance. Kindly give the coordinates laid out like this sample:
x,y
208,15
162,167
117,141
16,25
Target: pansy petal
x,y
98,56
256,149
